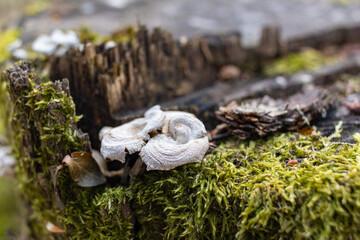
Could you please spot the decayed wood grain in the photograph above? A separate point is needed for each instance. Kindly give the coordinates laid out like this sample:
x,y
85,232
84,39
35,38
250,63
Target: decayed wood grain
x,y
110,86
260,117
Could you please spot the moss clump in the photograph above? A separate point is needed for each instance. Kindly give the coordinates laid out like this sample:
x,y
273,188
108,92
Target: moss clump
x,y
246,190
86,34
98,213
123,35
36,129
43,132
306,60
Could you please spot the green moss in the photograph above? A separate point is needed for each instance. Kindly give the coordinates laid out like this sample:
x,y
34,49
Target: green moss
x,y
243,190
98,213
86,34
46,118
123,35
7,37
306,60
33,121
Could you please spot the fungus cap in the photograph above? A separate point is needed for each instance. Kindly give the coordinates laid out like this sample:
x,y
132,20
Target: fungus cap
x,y
183,141
129,138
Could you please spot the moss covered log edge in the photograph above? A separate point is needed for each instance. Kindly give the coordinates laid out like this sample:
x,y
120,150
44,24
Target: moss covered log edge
x,y
242,190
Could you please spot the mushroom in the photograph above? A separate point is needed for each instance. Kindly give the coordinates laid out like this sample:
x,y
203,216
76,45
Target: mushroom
x,y
129,138
104,131
183,140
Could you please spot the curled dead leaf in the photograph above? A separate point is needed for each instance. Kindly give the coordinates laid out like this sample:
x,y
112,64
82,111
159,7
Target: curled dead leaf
x,y
84,170
307,130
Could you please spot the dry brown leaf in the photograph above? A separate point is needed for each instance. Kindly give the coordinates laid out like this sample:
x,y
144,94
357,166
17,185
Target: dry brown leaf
x,y
307,130
84,170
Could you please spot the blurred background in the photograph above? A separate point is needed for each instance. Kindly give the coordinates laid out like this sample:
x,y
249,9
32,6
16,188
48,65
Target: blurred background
x,y
180,17
25,20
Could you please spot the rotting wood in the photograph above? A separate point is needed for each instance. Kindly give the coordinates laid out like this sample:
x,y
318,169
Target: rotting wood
x,y
18,80
322,39
109,85
260,117
43,130
269,46
205,102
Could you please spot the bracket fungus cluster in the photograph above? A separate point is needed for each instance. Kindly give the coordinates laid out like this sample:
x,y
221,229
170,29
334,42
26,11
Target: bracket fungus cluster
x,y
130,137
160,140
164,140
